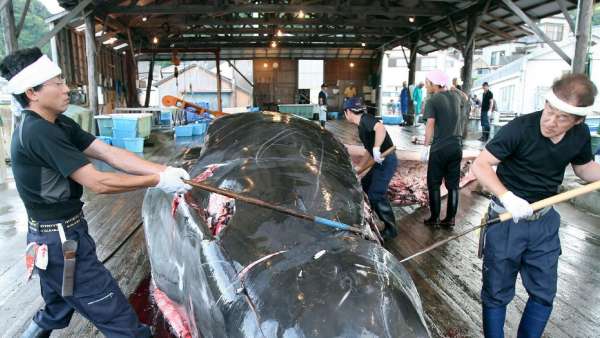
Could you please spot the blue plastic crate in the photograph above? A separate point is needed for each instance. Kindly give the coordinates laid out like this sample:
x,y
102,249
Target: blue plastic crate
x,y
125,124
134,144
166,116
105,139
192,116
118,142
183,131
118,133
392,119
105,126
333,115
253,109
199,128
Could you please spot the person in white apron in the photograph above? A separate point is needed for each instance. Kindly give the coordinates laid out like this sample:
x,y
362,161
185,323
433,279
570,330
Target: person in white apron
x,y
323,105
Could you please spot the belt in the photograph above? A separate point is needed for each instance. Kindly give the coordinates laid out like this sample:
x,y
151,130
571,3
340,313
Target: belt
x,y
41,226
498,208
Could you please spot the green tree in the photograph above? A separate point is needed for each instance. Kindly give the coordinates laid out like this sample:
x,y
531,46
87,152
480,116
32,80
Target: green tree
x,y
34,27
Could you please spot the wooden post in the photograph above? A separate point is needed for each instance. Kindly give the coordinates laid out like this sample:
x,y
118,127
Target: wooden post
x,y
467,52
218,60
7,16
584,23
90,50
412,70
149,84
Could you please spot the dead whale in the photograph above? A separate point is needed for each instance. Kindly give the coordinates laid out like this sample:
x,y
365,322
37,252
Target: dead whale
x,y
223,268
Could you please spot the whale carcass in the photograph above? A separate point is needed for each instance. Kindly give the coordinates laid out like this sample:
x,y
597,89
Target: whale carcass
x,y
223,268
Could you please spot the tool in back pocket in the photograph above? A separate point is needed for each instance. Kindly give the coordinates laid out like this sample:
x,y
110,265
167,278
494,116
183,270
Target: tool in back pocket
x,y
69,249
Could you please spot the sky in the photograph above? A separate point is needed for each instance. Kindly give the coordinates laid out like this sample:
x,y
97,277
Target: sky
x,y
52,6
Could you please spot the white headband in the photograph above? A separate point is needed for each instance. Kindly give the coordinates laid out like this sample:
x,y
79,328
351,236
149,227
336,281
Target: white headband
x,y
42,70
565,107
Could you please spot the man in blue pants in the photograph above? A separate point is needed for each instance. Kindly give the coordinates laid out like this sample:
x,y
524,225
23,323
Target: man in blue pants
x,y
531,154
375,183
50,165
487,106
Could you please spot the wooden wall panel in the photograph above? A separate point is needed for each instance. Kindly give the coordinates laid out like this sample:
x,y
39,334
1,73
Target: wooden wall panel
x,y
275,83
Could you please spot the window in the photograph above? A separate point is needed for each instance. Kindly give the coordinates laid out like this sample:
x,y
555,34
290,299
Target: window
x,y
506,97
426,63
396,62
540,97
554,31
310,76
497,57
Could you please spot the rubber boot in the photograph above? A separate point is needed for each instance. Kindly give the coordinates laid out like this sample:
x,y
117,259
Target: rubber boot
x,y
323,124
493,321
451,209
35,331
534,319
434,208
383,209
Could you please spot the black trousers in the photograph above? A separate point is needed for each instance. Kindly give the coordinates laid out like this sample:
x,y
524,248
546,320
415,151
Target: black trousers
x,y
444,164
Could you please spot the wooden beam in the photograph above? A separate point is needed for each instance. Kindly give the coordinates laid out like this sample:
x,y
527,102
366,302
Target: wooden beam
x,y
22,19
169,9
174,21
496,31
242,75
565,11
582,43
519,12
90,51
458,37
7,16
149,82
471,34
291,30
63,22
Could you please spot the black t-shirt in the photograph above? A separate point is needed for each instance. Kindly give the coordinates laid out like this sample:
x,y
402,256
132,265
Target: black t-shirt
x,y
323,98
447,108
531,166
366,133
485,100
42,163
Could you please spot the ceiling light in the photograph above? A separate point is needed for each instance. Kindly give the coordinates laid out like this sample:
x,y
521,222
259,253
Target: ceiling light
x,y
155,40
274,44
363,44
351,64
301,14
411,19
266,65
279,32
144,19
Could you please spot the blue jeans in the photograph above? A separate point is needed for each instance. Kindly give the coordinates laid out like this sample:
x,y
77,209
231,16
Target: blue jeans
x,y
96,294
530,248
485,124
375,182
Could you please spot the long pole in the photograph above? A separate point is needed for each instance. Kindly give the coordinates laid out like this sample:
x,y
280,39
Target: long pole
x,y
582,41
567,195
267,205
90,51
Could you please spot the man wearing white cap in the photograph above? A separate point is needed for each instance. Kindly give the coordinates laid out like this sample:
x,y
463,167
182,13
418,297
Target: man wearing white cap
x,y
531,154
444,114
50,165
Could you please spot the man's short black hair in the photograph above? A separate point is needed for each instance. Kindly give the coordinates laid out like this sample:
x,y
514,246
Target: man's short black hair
x,y
485,84
15,63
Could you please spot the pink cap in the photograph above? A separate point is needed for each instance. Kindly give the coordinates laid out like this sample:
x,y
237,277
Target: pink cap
x,y
437,77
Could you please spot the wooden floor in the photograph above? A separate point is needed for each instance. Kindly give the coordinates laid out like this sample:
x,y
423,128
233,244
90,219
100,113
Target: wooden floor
x,y
448,279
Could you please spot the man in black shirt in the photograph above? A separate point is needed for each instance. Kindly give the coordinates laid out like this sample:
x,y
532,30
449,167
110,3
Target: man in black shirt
x,y
50,165
531,154
376,141
323,105
487,105
444,112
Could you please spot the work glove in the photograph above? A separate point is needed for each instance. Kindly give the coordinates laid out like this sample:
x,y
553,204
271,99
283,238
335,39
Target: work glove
x,y
171,180
425,154
518,207
377,155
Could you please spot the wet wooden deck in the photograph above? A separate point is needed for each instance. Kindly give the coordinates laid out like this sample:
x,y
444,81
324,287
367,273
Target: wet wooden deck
x,y
448,279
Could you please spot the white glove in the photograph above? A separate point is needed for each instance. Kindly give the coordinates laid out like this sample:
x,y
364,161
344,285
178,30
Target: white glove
x,y
425,154
171,180
518,207
377,155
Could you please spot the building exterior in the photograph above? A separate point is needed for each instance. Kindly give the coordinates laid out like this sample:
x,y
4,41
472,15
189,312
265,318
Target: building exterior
x,y
520,86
